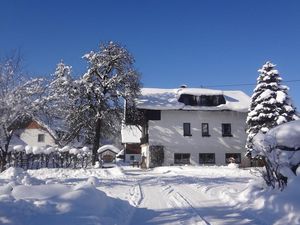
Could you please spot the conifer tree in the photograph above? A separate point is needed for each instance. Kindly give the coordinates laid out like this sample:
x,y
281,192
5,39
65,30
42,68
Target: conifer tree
x,y
59,103
270,105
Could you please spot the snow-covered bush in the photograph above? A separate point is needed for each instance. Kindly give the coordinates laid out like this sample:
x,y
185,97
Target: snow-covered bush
x,y
280,147
33,157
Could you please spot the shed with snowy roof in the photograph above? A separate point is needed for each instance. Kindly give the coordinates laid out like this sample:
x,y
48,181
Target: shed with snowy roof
x,y
107,153
191,126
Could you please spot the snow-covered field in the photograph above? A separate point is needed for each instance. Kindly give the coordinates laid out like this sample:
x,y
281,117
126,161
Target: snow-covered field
x,y
126,195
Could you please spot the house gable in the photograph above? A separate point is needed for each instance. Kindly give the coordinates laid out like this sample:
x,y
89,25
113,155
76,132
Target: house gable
x,y
33,133
34,125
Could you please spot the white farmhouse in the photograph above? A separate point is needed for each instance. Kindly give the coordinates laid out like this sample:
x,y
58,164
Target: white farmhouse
x,y
192,126
35,133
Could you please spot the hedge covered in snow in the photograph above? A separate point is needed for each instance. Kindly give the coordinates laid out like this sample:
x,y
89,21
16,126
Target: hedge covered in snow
x,y
33,157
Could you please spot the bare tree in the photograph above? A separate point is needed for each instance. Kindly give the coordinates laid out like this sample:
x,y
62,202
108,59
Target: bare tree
x,y
18,98
109,80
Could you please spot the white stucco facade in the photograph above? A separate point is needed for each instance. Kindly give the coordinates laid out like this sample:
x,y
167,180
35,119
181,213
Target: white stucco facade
x,y
176,118
168,132
30,137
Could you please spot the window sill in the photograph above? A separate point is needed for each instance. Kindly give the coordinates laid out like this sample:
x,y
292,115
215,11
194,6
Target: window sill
x,y
188,135
227,135
206,135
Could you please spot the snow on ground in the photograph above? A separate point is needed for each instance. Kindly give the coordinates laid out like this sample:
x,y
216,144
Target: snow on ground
x,y
126,195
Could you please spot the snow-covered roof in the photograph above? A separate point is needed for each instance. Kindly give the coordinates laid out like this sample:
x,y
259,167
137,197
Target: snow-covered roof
x,y
108,147
131,134
167,99
51,125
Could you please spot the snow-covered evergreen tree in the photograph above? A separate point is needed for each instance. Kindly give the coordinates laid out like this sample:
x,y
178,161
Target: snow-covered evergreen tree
x,y
270,105
59,90
60,104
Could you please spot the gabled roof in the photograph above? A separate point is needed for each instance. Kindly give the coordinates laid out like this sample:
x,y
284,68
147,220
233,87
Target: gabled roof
x,y
167,99
108,148
35,123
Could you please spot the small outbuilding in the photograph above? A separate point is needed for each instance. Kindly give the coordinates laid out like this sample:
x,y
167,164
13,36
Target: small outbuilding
x,y
107,153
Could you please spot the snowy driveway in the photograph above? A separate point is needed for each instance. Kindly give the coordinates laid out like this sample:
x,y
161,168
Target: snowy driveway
x,y
127,196
181,195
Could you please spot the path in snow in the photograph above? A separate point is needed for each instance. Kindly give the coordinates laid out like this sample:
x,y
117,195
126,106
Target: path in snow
x,y
169,198
131,196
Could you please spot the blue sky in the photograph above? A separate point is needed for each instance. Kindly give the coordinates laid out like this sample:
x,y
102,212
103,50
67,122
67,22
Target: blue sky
x,y
193,42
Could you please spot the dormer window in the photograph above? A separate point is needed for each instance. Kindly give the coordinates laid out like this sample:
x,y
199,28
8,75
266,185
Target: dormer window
x,y
202,100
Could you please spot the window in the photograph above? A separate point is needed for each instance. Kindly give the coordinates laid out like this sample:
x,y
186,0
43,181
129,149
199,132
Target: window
x,y
153,114
233,157
187,129
202,100
182,158
207,158
132,158
226,130
41,137
205,130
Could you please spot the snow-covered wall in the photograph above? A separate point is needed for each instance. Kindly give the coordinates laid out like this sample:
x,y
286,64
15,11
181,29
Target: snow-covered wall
x,y
168,132
131,134
30,137
145,152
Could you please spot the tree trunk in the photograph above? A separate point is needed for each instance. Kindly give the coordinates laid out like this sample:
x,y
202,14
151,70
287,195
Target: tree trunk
x,y
3,161
96,141
4,152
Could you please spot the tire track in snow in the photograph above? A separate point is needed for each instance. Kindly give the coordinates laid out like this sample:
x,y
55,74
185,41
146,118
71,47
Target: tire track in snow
x,y
212,192
179,201
136,195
